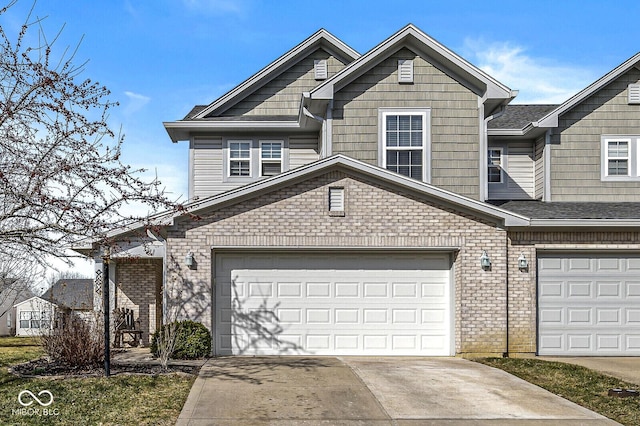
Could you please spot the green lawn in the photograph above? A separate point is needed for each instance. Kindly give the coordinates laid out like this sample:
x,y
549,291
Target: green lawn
x,y
575,383
118,400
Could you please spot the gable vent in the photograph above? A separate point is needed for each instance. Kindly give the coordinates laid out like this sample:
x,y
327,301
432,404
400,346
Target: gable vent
x,y
634,93
336,199
320,69
405,71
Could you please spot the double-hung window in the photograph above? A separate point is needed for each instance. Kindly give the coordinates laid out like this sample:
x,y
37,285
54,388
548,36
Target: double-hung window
x,y
270,158
617,157
620,159
239,158
494,166
404,142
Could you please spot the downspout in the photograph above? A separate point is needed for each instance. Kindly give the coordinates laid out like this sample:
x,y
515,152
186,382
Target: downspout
x,y
546,197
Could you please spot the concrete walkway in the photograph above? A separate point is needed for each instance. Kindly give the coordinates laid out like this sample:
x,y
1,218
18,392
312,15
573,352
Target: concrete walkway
x,y
370,391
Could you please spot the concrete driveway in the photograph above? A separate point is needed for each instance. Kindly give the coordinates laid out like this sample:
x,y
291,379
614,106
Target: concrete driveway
x,y
370,391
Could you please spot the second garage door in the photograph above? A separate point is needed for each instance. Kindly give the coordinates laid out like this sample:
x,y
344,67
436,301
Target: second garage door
x,y
333,304
589,304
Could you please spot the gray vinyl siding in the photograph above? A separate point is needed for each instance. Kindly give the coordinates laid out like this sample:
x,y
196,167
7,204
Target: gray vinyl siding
x,y
282,95
518,172
207,168
539,167
576,147
303,150
454,119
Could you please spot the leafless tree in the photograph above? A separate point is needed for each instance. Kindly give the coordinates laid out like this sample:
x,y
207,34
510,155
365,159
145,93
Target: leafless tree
x,y
61,177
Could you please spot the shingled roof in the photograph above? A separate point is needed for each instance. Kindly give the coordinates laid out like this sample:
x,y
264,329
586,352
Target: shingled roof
x,y
71,294
519,116
573,210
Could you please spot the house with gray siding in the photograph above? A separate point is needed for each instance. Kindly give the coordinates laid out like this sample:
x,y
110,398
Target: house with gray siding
x,y
398,202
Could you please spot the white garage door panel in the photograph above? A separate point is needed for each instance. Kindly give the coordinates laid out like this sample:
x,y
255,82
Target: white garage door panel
x,y
333,304
589,304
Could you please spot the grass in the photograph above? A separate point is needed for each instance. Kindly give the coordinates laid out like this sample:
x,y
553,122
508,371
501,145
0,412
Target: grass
x,y
581,385
118,400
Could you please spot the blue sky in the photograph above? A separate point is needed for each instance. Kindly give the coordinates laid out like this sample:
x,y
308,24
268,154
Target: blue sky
x,y
161,57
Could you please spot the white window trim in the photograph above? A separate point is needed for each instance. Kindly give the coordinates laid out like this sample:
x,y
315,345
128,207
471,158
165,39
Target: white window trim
x,y
271,160
633,158
502,158
426,137
229,159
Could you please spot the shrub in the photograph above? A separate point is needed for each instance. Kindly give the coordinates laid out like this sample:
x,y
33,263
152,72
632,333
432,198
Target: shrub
x,y
192,340
76,342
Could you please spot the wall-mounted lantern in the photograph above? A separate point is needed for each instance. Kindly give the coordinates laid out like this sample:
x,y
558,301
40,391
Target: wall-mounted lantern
x,y
523,263
485,262
188,260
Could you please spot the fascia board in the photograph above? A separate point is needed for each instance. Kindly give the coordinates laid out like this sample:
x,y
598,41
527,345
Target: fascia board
x,y
505,132
415,38
180,130
585,223
510,219
304,172
321,38
551,119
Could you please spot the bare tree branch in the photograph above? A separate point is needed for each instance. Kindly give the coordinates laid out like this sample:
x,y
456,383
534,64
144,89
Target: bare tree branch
x,y
61,178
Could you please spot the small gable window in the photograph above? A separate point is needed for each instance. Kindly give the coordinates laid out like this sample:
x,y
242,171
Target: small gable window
x,y
336,201
270,158
239,158
320,69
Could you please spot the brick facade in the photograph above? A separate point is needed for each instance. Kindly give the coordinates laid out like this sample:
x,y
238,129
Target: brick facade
x,y
376,217
139,287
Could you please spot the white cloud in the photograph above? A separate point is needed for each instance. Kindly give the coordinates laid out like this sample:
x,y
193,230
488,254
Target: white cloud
x,y
539,80
135,102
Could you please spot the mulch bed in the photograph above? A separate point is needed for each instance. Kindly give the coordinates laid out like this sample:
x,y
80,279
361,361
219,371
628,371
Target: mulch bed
x,y
44,368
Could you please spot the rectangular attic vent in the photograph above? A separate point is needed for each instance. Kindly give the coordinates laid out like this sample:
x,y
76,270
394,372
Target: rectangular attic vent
x,y
336,201
320,69
405,71
634,93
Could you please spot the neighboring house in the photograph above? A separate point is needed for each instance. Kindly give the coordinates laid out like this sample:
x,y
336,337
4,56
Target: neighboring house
x,y
395,203
66,297
72,296
8,298
34,316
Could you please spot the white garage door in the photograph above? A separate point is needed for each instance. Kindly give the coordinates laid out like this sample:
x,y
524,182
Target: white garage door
x,y
589,304
333,304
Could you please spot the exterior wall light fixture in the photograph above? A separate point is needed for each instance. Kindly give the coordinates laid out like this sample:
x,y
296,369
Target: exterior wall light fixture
x,y
188,260
485,262
523,263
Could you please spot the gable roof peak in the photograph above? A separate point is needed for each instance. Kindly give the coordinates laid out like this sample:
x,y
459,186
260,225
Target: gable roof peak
x,y
414,38
551,119
319,39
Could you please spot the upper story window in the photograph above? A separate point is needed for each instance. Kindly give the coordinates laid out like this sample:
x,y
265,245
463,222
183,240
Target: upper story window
x,y
239,158
617,158
253,158
404,140
270,158
494,168
620,158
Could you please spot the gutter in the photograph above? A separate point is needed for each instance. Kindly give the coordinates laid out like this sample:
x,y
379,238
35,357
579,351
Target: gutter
x,y
585,223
